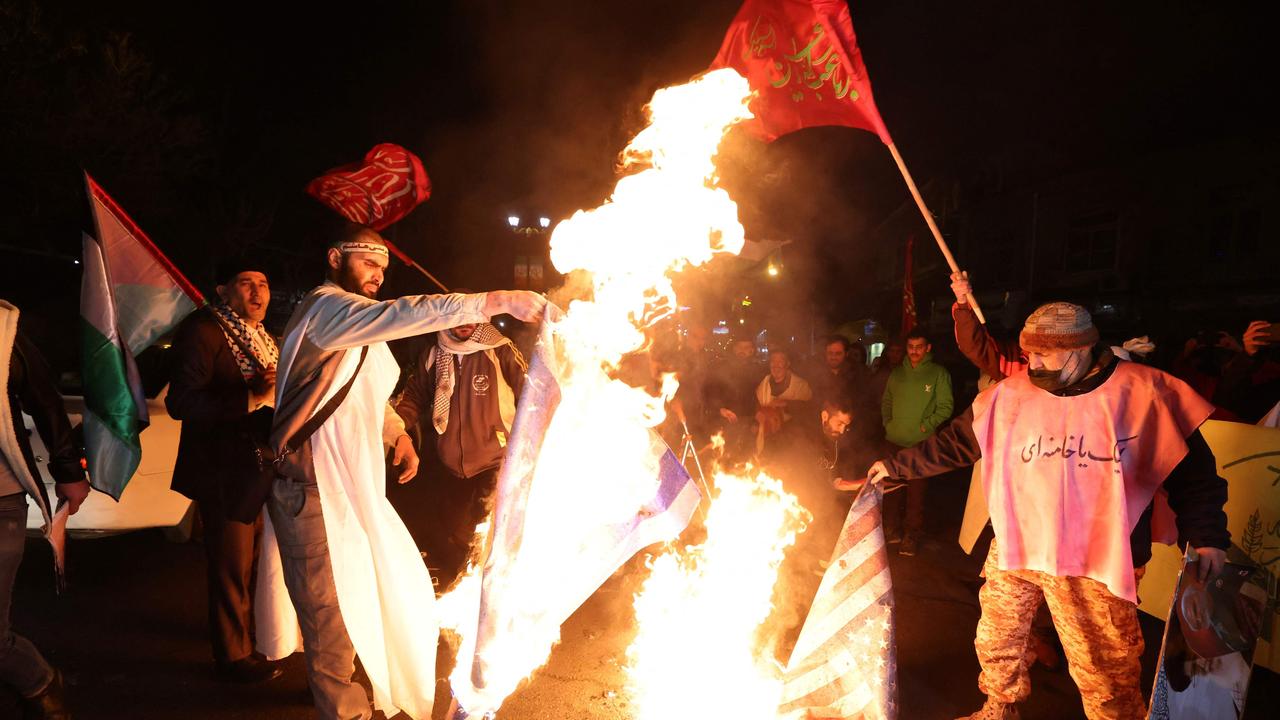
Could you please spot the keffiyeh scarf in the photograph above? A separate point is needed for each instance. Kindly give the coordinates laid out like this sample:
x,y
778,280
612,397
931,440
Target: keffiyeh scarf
x,y
252,346
446,356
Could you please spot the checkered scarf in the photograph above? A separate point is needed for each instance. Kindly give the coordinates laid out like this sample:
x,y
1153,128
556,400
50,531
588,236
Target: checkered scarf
x,y
445,354
262,351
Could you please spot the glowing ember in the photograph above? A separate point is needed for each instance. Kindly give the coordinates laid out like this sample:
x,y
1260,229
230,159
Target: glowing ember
x,y
696,652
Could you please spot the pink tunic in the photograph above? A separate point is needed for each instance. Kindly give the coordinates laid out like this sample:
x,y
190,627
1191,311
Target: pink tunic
x,y
1067,478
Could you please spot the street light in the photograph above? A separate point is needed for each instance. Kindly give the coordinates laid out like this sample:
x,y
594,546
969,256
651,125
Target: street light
x,y
513,221
544,222
773,271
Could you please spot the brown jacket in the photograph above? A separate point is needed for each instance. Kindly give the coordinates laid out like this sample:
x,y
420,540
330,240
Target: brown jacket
x,y
475,437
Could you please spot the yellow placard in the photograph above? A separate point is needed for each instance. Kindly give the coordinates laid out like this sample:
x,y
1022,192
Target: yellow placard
x,y
1248,456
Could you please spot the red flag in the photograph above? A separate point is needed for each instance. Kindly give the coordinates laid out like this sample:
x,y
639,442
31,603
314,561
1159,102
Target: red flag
x,y
377,191
802,59
908,293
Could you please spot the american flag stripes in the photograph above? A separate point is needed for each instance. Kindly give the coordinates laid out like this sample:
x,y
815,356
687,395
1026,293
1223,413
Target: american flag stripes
x,y
844,664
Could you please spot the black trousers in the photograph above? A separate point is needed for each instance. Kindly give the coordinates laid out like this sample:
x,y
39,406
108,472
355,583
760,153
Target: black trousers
x,y
441,511
231,550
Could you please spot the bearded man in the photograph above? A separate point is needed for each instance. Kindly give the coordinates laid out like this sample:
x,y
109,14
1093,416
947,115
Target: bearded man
x,y
1073,454
353,573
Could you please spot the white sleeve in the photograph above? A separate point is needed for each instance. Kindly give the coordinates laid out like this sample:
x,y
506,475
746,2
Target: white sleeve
x,y
343,320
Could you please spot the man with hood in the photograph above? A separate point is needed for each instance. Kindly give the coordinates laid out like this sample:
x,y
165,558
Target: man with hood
x,y
917,399
1073,454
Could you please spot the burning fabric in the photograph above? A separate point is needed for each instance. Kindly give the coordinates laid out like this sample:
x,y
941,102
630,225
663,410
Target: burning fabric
x,y
587,482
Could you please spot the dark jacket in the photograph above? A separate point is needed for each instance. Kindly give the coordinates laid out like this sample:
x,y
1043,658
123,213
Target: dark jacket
x,y
32,390
997,358
1196,491
475,438
207,392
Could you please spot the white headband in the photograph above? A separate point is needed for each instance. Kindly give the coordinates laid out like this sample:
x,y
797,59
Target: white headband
x,y
355,246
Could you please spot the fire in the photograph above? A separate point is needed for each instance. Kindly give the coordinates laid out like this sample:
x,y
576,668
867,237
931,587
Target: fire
x,y
597,457
696,653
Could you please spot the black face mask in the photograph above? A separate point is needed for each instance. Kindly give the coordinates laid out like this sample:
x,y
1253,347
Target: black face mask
x,y
1047,380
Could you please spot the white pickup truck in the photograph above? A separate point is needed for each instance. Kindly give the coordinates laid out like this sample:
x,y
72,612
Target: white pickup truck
x,y
147,501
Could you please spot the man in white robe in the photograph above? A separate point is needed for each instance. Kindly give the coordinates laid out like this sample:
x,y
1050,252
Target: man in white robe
x,y
353,573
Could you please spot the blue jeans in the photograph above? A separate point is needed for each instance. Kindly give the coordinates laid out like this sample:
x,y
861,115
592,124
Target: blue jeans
x,y
304,552
22,667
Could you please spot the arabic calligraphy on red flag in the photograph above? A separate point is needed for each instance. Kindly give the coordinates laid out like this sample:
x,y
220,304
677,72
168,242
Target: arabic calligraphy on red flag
x,y
802,59
377,191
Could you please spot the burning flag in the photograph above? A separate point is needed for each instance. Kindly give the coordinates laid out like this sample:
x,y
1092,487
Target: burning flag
x,y
587,482
844,664
802,58
130,295
549,557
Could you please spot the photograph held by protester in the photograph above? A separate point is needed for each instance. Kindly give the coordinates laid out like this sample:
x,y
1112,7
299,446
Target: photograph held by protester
x,y
222,389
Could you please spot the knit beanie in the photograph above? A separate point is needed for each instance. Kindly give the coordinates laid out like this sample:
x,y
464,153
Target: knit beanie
x,y
1058,326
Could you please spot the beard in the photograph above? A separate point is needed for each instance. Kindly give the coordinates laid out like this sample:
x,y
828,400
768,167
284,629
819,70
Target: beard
x,y
349,281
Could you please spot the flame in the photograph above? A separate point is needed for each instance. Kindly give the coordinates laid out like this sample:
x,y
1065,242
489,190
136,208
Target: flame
x,y
696,653
665,214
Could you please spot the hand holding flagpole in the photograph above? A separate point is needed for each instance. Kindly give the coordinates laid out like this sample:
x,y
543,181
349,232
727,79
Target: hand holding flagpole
x,y
933,226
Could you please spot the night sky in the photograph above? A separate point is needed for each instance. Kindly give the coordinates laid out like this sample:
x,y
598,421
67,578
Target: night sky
x,y
206,120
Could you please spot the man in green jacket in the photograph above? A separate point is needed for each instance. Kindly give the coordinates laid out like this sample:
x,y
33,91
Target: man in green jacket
x,y
917,399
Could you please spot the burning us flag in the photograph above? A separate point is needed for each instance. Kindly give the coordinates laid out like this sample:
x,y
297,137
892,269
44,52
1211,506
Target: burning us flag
x,y
844,663
562,523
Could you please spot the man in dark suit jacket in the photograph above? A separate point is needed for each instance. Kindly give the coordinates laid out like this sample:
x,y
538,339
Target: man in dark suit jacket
x,y
222,388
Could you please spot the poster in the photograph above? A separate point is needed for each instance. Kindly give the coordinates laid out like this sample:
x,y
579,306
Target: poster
x,y
1248,456
1211,633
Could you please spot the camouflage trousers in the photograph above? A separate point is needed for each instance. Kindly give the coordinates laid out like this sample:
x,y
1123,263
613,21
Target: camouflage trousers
x,y
1099,632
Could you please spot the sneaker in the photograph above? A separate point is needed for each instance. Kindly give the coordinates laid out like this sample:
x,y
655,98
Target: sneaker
x,y
992,710
908,546
248,671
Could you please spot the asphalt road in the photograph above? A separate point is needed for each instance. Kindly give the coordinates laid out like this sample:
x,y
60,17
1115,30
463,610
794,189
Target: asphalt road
x,y
130,635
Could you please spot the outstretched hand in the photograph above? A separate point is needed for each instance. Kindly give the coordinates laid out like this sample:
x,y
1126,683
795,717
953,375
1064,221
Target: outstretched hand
x,y
523,305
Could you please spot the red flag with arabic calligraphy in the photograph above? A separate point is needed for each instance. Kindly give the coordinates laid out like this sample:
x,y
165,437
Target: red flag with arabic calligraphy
x,y
802,59
377,191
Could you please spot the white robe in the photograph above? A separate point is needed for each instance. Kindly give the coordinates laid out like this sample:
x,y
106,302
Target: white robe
x,y
383,587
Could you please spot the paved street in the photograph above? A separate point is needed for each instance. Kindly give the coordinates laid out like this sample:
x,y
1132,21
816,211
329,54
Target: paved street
x,y
130,635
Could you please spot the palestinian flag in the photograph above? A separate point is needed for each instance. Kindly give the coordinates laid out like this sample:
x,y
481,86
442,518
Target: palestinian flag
x,y
130,295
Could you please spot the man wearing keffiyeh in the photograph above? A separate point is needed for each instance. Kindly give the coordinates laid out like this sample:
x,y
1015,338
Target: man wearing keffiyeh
x,y
461,399
222,388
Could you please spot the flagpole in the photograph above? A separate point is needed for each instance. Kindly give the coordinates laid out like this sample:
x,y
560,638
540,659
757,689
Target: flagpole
x,y
413,264
933,227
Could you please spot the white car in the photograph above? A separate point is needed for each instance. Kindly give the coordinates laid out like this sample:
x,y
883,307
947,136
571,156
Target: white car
x,y
147,501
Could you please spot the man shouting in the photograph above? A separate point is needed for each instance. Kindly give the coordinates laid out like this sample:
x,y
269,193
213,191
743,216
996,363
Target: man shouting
x,y
353,573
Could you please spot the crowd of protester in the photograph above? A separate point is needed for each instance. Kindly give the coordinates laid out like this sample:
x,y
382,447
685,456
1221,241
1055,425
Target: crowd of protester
x,y
817,420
